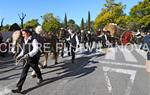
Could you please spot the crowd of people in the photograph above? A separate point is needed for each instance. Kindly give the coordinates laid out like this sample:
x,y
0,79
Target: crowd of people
x,y
69,39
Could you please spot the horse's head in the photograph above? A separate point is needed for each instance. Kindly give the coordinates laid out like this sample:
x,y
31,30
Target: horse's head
x,y
113,28
15,38
39,30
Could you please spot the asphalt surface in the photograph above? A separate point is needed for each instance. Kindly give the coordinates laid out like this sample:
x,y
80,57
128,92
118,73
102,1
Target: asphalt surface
x,y
113,71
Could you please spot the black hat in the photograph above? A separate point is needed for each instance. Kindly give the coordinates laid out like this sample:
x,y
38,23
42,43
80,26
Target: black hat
x,y
27,30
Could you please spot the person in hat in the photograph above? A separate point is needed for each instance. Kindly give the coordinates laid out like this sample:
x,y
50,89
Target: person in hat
x,y
30,53
146,47
74,41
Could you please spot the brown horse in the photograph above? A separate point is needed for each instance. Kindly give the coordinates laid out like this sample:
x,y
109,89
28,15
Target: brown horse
x,y
126,37
42,38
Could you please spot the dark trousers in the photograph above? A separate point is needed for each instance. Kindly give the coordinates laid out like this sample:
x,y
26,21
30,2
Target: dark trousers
x,y
85,44
73,53
34,65
68,47
104,44
90,44
148,55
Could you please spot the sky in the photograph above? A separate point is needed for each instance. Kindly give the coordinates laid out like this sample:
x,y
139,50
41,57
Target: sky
x,y
75,9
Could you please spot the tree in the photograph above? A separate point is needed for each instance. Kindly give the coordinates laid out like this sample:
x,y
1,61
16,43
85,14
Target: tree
x,y
65,21
89,21
31,23
71,23
50,22
82,24
1,26
111,13
22,17
134,26
6,28
14,27
140,14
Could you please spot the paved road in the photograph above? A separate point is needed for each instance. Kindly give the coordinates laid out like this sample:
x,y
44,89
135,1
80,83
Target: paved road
x,y
120,71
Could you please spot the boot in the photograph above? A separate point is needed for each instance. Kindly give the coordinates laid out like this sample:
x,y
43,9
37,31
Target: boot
x,y
18,90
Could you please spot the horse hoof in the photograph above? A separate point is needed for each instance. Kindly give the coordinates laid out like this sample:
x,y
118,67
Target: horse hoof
x,y
33,76
68,53
62,54
56,62
45,66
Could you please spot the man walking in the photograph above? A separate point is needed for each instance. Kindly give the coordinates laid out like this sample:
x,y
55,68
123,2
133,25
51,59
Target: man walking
x,y
30,53
74,41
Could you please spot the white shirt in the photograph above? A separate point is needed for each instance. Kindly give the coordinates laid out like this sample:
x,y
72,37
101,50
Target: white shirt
x,y
76,38
34,50
105,37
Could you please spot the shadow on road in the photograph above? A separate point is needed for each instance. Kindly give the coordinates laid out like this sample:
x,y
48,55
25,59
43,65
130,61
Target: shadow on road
x,y
80,68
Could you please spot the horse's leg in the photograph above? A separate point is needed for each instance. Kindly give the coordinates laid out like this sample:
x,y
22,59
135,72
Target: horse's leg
x,y
33,74
55,54
62,51
68,48
46,60
85,44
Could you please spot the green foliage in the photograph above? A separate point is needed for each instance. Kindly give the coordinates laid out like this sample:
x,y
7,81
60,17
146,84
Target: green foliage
x,y
89,21
91,25
14,27
71,23
5,28
82,24
65,21
31,23
140,14
111,13
50,22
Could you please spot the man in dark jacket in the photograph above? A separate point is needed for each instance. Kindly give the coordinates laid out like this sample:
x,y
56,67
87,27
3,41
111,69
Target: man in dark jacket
x,y
146,45
74,41
30,53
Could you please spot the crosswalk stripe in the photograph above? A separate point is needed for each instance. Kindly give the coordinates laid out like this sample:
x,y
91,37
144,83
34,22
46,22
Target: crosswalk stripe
x,y
141,52
129,57
122,64
110,54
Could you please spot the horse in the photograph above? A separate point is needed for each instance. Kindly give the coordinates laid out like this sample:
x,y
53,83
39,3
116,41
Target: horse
x,y
126,37
42,38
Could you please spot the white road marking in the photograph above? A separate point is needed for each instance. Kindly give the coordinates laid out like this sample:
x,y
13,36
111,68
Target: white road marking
x,y
108,82
124,71
4,91
142,53
123,64
128,55
110,54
